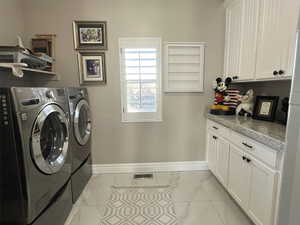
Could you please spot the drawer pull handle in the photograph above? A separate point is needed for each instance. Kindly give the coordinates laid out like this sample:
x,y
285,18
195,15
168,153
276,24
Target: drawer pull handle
x,y
248,146
244,158
214,137
248,160
216,128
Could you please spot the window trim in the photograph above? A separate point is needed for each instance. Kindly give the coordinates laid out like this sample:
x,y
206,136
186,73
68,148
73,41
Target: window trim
x,y
141,117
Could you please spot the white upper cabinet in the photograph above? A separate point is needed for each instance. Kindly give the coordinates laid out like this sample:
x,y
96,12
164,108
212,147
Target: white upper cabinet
x,y
268,49
233,38
241,39
250,17
263,47
288,35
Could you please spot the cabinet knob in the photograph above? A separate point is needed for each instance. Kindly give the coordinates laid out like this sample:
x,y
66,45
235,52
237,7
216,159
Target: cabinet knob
x,y
275,72
281,72
246,159
214,137
235,77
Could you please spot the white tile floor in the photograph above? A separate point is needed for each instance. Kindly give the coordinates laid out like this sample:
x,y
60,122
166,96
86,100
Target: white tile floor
x,y
199,199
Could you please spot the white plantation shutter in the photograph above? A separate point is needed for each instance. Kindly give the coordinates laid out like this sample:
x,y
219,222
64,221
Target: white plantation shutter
x,y
140,60
184,66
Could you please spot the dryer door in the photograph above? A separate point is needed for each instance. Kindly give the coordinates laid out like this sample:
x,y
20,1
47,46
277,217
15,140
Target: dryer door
x,y
82,122
50,137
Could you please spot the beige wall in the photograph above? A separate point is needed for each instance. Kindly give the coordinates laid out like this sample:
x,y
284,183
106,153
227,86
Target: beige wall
x,y
11,21
181,135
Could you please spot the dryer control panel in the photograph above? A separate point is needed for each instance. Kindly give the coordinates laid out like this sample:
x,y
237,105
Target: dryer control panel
x,y
32,99
4,117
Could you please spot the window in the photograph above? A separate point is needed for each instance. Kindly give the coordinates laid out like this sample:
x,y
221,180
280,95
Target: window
x,y
140,61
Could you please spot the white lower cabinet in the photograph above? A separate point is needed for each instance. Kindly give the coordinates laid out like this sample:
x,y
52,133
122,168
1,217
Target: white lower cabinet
x,y
218,157
253,186
212,153
262,196
222,162
250,181
239,177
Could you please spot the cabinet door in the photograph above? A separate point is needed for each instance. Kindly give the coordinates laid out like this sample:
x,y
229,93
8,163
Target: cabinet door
x,y
288,35
262,193
249,32
222,161
239,177
212,151
233,38
268,52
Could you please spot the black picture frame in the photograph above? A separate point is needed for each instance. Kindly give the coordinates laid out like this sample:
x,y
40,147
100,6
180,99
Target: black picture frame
x,y
265,108
90,35
92,67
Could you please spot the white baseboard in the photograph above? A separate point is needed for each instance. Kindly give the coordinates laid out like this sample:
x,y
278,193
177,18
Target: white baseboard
x,y
150,167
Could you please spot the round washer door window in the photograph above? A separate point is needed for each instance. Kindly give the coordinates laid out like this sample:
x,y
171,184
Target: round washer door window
x,y
50,138
82,122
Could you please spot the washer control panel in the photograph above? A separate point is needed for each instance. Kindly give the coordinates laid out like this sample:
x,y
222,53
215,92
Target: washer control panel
x,y
4,117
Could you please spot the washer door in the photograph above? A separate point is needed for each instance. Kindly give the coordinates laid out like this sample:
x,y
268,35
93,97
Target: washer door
x,y
82,122
50,138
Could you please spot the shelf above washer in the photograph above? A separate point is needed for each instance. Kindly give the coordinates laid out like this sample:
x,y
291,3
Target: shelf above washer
x,y
42,72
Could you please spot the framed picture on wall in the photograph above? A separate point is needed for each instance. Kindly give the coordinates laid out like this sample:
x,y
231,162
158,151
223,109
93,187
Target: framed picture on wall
x,y
92,68
90,35
265,108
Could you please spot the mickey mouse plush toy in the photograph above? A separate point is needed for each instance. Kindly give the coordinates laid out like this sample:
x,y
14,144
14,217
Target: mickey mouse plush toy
x,y
222,97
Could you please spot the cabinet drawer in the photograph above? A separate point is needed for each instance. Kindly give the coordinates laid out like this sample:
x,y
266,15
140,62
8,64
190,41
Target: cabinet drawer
x,y
260,151
218,129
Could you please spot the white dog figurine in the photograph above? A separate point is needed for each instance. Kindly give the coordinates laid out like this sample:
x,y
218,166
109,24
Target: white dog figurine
x,y
246,106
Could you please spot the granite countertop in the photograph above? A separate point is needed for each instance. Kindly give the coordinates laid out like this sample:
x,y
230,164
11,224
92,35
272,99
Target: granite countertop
x,y
267,133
